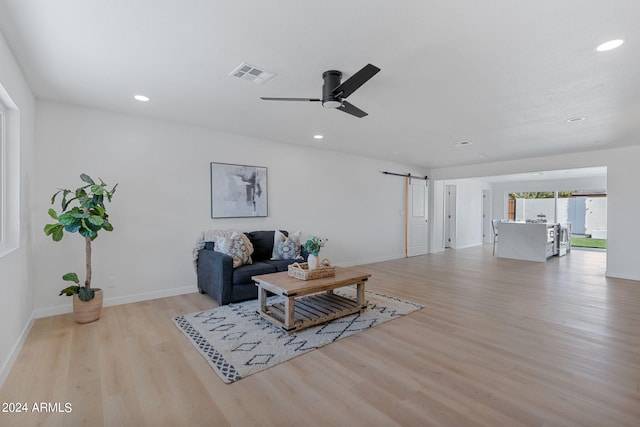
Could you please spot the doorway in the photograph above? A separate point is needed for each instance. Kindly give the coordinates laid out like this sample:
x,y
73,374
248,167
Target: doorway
x,y
417,217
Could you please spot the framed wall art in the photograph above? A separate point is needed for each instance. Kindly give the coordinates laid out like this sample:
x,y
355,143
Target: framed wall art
x,y
238,191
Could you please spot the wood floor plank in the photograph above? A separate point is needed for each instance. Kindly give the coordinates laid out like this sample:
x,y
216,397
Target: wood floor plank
x,y
498,343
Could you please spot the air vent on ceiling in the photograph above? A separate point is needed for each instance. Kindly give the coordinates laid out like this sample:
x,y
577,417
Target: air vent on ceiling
x,y
252,73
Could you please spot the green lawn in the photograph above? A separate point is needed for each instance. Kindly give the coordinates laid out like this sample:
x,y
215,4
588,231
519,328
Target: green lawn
x,y
584,242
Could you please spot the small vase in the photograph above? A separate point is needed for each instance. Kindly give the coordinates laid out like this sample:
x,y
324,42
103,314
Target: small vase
x,y
313,262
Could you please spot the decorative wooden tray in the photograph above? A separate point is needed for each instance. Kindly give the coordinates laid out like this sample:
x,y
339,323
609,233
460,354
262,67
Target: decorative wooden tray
x,y
300,270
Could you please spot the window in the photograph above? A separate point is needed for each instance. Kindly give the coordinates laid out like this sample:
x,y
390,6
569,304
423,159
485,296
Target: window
x,y
9,174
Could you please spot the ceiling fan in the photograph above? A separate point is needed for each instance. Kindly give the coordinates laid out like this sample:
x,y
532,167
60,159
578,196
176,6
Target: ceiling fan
x,y
334,93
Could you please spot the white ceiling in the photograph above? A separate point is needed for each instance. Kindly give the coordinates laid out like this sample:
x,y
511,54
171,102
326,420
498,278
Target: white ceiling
x,y
502,74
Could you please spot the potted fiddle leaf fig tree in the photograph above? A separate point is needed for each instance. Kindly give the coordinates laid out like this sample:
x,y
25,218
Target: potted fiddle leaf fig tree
x,y
82,211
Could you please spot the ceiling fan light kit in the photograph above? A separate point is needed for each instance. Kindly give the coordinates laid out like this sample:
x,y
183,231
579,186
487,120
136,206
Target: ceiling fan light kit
x,y
331,80
334,93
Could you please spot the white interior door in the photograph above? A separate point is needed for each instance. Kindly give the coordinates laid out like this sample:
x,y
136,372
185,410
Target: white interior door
x,y
417,218
450,216
487,232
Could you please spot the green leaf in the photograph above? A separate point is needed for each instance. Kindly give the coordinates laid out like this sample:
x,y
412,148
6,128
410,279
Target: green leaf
x,y
71,277
85,294
87,202
93,227
86,178
107,227
73,227
97,189
55,231
57,234
101,211
50,228
53,198
96,220
65,202
53,214
110,193
68,218
71,290
81,192
87,232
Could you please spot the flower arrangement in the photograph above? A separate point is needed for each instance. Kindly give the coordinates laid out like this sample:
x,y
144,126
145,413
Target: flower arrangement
x,y
314,244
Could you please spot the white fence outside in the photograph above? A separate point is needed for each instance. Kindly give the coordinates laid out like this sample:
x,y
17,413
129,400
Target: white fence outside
x,y
591,218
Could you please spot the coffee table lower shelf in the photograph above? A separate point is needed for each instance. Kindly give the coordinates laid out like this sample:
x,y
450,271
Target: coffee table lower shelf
x,y
312,310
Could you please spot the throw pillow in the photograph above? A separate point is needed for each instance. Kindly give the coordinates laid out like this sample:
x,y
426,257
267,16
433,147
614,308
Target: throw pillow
x,y
235,247
286,247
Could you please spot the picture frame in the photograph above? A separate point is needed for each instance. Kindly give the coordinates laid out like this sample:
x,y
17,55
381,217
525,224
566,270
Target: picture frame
x,y
238,191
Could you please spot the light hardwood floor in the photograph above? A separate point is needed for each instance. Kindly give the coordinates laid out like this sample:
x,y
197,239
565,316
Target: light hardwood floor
x,y
499,343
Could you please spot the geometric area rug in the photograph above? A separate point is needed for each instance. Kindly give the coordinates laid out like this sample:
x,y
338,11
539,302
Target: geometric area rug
x,y
237,342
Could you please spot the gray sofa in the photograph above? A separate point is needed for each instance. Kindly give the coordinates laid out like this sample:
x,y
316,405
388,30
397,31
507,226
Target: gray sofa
x,y
218,278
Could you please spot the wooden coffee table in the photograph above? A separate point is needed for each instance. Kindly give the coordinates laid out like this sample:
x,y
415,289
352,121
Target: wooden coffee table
x,y
309,302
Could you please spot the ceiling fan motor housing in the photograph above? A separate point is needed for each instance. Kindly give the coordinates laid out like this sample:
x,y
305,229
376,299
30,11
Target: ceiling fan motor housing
x,y
335,93
331,81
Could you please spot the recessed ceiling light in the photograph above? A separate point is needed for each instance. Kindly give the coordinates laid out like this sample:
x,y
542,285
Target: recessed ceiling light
x,y
576,119
141,98
318,136
611,44
537,173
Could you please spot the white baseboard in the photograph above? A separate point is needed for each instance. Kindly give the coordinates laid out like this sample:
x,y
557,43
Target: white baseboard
x,y
369,260
471,245
615,275
108,302
15,351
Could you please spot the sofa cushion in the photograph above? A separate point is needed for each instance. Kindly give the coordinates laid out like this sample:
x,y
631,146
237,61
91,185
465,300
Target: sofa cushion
x,y
243,274
262,244
282,264
234,246
286,247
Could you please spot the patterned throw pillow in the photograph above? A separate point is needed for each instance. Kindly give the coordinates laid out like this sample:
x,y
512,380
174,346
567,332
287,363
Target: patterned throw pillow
x,y
234,246
286,247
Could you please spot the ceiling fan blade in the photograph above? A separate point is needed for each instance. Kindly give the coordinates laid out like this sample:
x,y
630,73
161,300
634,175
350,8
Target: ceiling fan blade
x,y
290,99
351,109
350,85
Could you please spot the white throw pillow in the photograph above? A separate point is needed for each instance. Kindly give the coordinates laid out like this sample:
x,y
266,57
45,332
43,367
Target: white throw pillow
x,y
235,247
286,247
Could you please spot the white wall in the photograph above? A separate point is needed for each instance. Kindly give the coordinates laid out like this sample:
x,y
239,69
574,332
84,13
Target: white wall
x,y
622,214
437,215
623,175
16,303
163,199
